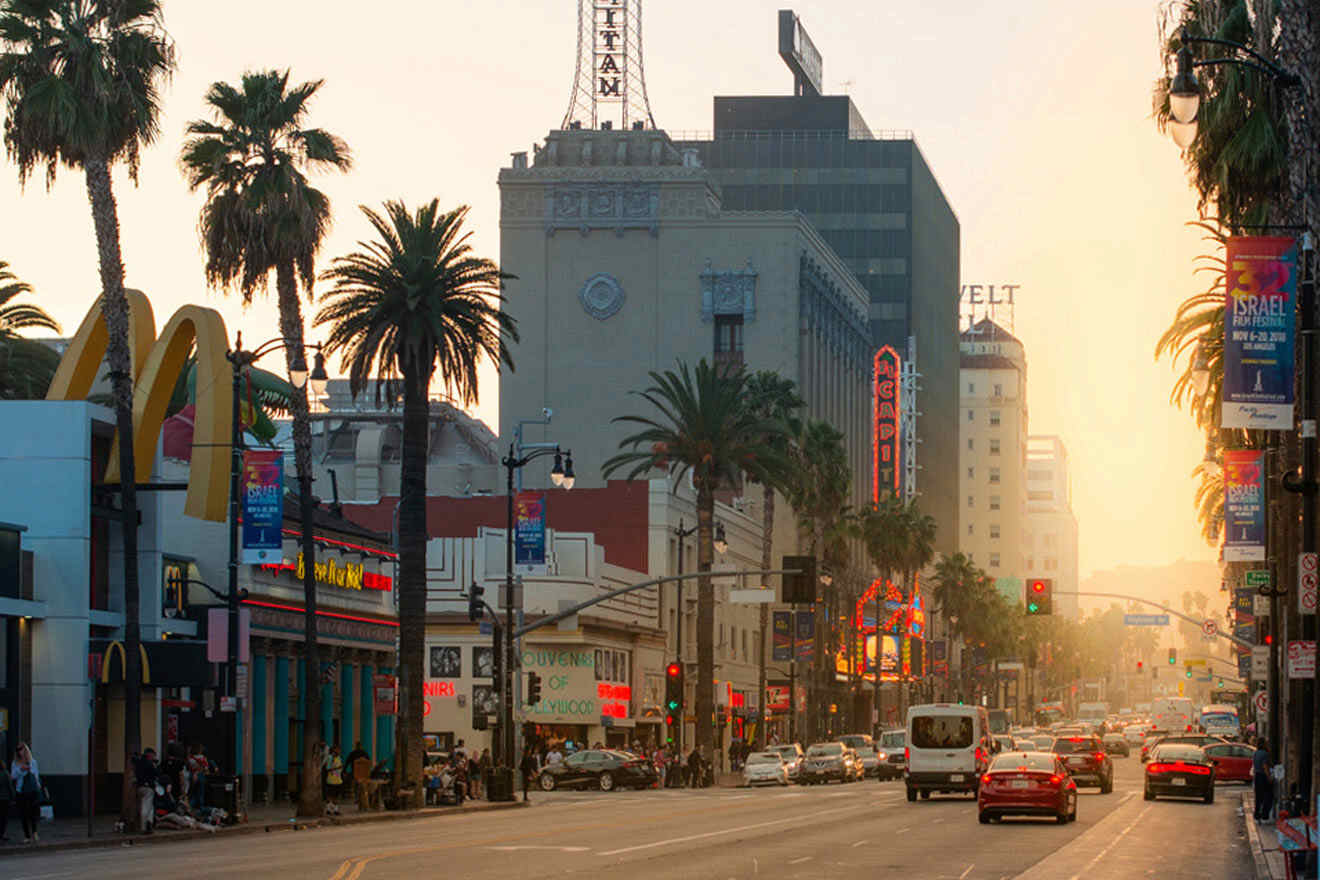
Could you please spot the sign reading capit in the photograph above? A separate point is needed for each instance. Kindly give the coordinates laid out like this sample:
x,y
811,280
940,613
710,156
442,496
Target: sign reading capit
x,y
886,406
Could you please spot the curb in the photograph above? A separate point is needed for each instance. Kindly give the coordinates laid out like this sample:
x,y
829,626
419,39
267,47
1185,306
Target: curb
x,y
111,840
1253,837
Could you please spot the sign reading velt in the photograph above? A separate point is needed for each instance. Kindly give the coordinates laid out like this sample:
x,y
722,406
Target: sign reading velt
x,y
262,496
1259,324
1244,505
529,529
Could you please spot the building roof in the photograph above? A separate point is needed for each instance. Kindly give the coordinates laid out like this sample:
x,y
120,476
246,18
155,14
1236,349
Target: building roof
x,y
986,330
326,520
987,362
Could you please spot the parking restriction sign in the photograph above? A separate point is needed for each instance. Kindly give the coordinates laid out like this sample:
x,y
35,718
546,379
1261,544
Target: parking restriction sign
x,y
1308,578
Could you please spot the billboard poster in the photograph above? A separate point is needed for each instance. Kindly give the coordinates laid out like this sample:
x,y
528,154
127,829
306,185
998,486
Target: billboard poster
x,y
889,658
806,631
776,697
1244,505
262,501
529,529
782,640
1259,333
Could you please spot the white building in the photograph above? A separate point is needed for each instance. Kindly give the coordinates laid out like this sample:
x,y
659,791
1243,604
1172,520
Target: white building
x,y
993,453
1051,532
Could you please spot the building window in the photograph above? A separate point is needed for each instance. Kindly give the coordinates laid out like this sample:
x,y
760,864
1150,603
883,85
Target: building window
x,y
971,415
971,529
971,500
994,475
994,445
994,502
971,473
729,340
994,418
970,444
1051,541
994,560
999,390
971,387
994,530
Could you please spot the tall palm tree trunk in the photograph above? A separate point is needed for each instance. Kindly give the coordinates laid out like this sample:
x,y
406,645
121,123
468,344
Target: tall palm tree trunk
x,y
291,328
105,218
412,577
767,548
705,696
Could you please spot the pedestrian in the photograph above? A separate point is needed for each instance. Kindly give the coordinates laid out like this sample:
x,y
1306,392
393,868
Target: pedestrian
x,y
529,769
484,763
474,774
694,768
6,798
198,768
1263,783
460,750
146,774
334,778
554,756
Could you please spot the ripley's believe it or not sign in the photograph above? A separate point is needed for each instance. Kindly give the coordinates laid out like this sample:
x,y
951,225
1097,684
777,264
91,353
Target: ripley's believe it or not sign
x,y
887,404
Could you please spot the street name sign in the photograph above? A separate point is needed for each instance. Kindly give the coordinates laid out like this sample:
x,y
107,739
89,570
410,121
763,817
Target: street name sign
x,y
1146,619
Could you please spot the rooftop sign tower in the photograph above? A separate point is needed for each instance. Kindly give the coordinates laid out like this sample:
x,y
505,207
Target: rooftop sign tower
x,y
609,86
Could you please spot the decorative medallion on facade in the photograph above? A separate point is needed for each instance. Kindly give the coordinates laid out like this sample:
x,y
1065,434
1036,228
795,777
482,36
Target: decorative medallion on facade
x,y
603,206
728,292
601,296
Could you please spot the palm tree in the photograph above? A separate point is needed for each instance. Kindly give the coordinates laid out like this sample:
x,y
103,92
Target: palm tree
x,y
80,82
414,300
703,426
26,367
774,398
260,216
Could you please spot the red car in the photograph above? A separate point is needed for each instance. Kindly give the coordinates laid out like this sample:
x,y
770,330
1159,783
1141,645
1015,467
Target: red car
x,y
1027,784
1232,761
1087,761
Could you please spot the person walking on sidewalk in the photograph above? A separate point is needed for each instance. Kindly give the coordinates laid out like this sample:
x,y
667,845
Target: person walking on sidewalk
x,y
26,779
1263,784
6,798
529,768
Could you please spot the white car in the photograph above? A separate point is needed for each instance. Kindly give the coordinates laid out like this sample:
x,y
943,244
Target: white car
x,y
764,768
1136,734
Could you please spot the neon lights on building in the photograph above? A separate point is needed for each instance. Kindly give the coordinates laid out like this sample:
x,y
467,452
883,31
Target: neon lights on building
x,y
887,405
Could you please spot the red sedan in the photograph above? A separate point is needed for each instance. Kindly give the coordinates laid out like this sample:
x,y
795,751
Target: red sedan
x,y
1232,761
1027,784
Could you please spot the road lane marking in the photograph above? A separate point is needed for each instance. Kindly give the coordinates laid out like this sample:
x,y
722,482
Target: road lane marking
x,y
903,830
691,837
800,861
858,843
1113,843
533,846
964,874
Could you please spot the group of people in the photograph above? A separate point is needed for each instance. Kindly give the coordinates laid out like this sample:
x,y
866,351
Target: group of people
x,y
171,793
457,777
20,784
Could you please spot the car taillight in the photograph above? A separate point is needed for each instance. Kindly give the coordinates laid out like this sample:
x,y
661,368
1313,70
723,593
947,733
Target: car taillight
x,y
906,753
1056,779
986,780
1100,756
1159,768
1196,769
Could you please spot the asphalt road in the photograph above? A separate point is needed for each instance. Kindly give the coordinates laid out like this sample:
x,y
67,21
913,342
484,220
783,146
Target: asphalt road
x,y
864,830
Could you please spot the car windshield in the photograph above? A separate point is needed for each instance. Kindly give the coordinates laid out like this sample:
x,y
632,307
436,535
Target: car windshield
x,y
942,732
1075,744
861,743
1219,719
825,749
1045,743
1023,761
1178,753
788,752
893,740
764,758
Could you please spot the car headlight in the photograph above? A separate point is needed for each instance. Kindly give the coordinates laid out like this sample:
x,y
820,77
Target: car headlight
x,y
882,756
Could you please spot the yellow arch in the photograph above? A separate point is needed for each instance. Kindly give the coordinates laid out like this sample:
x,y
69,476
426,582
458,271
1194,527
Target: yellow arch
x,y
157,364
77,370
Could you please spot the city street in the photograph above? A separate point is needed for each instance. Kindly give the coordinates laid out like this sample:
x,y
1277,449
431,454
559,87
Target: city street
x,y
865,829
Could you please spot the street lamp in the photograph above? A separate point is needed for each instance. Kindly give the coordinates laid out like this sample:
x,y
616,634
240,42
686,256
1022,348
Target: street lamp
x,y
721,544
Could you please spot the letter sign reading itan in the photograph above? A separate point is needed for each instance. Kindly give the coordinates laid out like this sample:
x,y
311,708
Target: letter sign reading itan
x,y
1259,323
610,54
887,404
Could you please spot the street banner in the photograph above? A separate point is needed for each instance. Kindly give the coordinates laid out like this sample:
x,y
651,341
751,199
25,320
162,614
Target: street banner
x,y
529,529
1259,333
383,688
782,639
806,631
1244,665
1244,604
1244,505
262,500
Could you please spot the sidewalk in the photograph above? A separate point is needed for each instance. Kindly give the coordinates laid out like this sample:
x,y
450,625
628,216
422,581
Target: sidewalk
x,y
1264,842
71,833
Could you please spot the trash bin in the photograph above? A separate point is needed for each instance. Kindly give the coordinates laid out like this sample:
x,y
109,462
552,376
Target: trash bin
x,y
499,784
222,792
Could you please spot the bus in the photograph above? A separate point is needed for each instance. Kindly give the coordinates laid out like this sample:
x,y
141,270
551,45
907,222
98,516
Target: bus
x,y
1172,715
1221,719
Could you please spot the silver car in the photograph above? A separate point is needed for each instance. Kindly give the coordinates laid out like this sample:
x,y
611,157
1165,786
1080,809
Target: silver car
x,y
792,755
765,768
866,751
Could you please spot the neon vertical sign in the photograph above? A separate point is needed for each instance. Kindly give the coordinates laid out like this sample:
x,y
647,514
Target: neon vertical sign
x,y
886,406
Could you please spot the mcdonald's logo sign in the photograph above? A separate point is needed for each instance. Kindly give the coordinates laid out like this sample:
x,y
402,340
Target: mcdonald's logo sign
x,y
157,365
107,662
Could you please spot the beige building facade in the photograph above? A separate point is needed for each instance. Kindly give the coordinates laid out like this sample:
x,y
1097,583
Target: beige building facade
x,y
1052,532
993,454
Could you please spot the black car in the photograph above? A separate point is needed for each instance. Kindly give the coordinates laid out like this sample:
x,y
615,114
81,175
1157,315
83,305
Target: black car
x,y
1115,744
1180,770
1087,761
605,769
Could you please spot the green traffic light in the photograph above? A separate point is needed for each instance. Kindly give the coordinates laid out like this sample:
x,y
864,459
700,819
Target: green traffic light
x,y
1032,607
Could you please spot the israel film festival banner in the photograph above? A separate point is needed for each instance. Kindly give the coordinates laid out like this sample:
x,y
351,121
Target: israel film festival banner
x,y
262,500
1259,337
1244,505
529,529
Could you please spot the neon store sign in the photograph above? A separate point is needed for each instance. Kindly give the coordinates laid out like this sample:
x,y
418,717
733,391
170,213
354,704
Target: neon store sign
x,y
614,699
886,404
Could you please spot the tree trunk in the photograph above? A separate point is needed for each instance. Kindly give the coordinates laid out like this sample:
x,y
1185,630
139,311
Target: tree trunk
x,y
705,711
412,577
291,328
767,548
114,308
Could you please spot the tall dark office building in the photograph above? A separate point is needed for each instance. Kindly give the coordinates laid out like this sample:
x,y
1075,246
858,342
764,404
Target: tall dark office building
x,y
876,202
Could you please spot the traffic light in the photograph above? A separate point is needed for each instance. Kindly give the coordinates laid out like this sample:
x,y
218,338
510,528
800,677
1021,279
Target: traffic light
x,y
1141,667
1220,683
1173,656
1189,670
474,602
673,697
800,588
533,688
1040,596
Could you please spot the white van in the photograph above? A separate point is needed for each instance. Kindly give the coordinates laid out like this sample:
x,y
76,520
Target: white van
x,y
948,748
1172,715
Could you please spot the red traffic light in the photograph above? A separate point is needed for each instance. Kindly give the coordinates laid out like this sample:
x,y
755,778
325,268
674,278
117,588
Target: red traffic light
x,y
1037,586
673,670
669,720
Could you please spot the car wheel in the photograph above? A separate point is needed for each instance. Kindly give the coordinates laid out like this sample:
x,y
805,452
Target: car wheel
x,y
547,782
1210,796
1148,795
1107,785
925,795
912,794
605,781
1062,818
983,817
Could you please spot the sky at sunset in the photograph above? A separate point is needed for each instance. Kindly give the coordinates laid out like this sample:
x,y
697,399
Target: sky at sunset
x,y
1034,115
